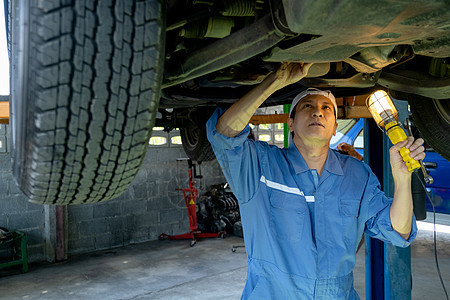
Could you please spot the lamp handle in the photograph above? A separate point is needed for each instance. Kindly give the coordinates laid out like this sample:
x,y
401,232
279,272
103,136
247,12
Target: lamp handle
x,y
411,163
396,134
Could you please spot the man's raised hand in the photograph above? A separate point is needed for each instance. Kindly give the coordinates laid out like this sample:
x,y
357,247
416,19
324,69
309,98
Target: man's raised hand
x,y
290,73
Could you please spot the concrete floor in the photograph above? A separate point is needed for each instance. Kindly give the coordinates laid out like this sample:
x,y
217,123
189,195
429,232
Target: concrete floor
x,y
173,270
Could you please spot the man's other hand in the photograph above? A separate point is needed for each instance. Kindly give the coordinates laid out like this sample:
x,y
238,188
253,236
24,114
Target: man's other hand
x,y
350,150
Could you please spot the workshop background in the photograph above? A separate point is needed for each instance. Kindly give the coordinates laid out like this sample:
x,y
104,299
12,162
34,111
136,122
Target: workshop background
x,y
149,207
113,249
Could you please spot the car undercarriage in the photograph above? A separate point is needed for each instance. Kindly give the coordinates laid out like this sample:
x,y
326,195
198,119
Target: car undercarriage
x,y
218,50
90,79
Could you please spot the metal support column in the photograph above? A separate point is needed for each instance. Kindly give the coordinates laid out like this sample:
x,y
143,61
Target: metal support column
x,y
397,261
373,155
388,268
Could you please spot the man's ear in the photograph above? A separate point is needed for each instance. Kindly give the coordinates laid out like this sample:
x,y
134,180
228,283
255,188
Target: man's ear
x,y
290,123
335,128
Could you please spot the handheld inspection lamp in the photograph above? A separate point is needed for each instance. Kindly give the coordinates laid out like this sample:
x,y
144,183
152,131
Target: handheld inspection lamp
x,y
385,115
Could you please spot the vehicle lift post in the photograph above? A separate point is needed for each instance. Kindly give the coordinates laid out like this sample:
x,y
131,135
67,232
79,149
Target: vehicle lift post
x,y
388,268
190,198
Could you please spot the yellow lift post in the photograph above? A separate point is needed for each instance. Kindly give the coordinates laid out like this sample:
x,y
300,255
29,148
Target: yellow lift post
x,y
4,112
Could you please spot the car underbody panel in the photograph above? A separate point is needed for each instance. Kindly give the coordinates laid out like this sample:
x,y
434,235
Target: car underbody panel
x,y
345,27
353,44
216,51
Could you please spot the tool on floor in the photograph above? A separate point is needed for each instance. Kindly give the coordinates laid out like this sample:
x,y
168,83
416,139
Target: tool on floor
x,y
190,198
234,247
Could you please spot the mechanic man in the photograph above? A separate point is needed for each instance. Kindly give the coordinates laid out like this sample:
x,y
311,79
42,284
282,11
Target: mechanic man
x,y
305,208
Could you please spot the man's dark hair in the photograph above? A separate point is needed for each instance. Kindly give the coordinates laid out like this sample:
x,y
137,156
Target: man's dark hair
x,y
293,116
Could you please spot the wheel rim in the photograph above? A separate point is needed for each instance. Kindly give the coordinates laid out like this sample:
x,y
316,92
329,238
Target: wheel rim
x,y
192,136
443,108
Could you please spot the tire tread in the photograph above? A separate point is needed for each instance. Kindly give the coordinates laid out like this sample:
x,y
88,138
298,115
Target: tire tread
x,y
91,126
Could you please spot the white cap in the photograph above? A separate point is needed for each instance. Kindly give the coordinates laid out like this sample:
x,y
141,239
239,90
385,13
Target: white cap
x,y
313,91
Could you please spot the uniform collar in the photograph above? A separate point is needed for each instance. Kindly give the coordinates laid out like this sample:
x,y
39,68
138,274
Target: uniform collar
x,y
296,159
332,164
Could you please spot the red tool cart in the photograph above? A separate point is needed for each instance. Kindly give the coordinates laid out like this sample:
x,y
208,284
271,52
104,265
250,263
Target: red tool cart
x,y
190,198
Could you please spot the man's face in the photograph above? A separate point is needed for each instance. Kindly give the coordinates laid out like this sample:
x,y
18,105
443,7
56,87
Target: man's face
x,y
314,122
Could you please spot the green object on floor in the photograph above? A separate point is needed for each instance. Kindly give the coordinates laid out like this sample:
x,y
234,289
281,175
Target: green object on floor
x,y
17,240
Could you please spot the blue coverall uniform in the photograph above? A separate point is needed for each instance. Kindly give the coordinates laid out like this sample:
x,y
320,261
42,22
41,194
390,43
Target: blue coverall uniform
x,y
301,231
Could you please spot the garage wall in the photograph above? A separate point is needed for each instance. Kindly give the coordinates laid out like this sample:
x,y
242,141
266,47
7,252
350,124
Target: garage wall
x,y
17,213
149,207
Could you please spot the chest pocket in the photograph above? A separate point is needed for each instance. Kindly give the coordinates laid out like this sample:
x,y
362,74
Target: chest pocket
x,y
349,207
349,211
288,214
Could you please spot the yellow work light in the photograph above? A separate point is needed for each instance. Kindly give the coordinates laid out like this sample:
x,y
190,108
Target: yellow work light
x,y
385,115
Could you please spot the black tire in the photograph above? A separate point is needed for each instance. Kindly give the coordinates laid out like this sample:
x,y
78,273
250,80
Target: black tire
x,y
195,142
85,79
432,118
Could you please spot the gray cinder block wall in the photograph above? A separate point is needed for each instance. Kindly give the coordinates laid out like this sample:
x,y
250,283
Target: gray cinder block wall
x,y
149,207
15,211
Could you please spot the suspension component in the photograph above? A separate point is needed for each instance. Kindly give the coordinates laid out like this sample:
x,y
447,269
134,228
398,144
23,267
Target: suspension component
x,y
236,8
215,27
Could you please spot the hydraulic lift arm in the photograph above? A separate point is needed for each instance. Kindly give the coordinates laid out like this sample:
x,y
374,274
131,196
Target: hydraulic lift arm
x,y
348,108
